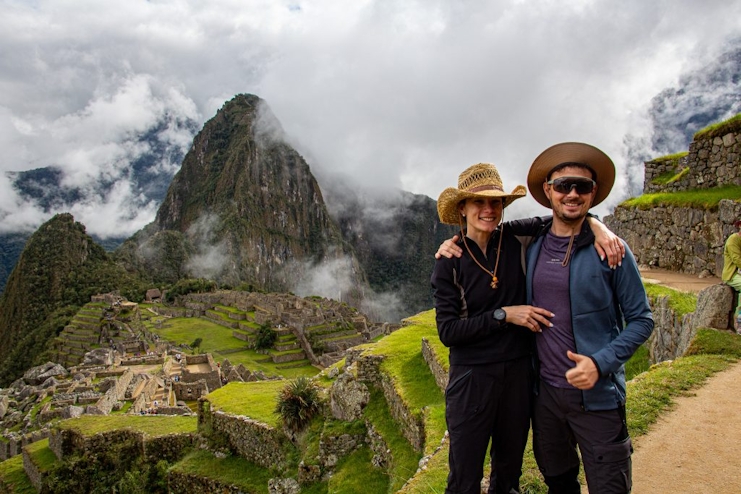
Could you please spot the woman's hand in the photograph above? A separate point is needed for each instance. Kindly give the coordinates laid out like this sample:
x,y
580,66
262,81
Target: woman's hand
x,y
449,248
529,317
607,243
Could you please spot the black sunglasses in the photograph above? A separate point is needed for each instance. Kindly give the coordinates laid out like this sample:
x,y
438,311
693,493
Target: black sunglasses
x,y
564,185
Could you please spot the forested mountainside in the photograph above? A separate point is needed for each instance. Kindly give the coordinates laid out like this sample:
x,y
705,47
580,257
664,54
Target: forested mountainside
x,y
57,272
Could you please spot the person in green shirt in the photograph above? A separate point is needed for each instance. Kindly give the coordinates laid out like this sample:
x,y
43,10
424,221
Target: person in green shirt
x,y
731,265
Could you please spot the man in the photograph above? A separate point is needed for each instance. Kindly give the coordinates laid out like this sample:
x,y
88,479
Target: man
x,y
731,264
601,318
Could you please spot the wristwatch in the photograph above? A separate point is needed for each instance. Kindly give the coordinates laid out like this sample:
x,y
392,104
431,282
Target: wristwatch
x,y
500,315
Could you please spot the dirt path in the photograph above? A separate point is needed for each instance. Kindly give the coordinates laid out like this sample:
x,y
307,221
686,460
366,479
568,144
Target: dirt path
x,y
696,447
678,281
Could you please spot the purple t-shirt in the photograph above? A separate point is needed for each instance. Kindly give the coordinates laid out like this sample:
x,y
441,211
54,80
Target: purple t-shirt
x,y
551,292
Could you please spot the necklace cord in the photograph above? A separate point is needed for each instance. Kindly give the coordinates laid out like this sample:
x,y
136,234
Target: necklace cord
x,y
567,257
494,280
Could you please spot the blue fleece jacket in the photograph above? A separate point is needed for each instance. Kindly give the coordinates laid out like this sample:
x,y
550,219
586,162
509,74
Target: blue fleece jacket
x,y
610,314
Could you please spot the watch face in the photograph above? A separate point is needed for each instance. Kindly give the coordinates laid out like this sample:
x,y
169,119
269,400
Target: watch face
x,y
500,315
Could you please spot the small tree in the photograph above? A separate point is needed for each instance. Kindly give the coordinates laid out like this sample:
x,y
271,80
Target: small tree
x,y
298,403
196,344
265,337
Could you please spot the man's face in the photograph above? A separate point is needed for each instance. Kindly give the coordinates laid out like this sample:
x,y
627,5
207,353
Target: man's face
x,y
570,207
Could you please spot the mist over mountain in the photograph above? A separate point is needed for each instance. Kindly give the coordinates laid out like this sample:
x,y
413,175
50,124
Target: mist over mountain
x,y
701,97
245,209
135,182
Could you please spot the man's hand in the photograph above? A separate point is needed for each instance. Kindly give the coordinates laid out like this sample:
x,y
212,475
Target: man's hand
x,y
529,317
607,243
449,249
585,374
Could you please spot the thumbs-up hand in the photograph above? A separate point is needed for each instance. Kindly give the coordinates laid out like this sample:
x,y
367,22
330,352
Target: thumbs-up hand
x,y
584,375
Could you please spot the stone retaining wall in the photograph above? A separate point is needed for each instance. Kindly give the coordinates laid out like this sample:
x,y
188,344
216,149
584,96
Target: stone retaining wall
x,y
677,239
710,162
368,369
66,442
253,440
436,368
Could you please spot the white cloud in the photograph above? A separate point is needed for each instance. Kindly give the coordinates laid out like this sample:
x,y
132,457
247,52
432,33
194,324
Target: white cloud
x,y
394,94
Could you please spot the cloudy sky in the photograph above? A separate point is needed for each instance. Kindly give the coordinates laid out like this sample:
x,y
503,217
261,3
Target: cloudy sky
x,y
394,93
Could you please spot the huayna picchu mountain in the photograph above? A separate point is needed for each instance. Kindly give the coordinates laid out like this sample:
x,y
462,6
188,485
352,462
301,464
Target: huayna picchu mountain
x,y
245,209
58,271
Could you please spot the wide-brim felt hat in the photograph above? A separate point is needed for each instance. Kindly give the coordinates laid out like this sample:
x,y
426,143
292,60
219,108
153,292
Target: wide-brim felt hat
x,y
479,180
571,152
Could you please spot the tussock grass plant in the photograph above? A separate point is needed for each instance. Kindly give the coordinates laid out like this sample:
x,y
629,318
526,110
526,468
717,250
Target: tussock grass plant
x,y
298,403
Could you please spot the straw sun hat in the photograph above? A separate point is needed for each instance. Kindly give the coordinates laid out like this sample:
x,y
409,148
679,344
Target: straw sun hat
x,y
480,180
571,152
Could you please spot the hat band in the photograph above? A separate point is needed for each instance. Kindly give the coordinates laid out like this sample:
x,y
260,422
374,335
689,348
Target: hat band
x,y
486,187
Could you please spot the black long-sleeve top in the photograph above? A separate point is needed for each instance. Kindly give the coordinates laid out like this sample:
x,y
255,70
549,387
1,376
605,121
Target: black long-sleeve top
x,y
465,302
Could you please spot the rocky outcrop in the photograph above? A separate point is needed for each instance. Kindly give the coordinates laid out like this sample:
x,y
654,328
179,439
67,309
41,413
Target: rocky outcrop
x,y
673,332
348,398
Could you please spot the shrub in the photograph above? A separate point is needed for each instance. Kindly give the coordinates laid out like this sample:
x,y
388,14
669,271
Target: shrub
x,y
265,337
298,403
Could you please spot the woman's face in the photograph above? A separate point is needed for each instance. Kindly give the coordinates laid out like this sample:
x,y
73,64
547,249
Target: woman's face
x,y
482,215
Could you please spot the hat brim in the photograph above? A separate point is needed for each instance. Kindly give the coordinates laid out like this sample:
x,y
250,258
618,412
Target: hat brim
x,y
575,152
447,203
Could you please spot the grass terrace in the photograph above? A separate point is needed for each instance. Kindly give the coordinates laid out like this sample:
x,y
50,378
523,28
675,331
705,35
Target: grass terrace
x,y
255,400
698,198
152,425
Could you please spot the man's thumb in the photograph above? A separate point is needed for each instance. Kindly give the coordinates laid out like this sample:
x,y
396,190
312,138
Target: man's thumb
x,y
574,356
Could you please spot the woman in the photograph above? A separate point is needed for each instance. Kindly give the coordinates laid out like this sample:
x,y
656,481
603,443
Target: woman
x,y
482,317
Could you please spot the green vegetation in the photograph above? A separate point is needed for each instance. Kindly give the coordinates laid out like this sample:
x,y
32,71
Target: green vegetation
x,y
638,363
265,337
670,157
412,378
186,286
233,470
253,399
707,199
405,459
298,403
670,176
41,455
152,425
720,129
681,302
651,394
13,478
60,268
355,473
221,343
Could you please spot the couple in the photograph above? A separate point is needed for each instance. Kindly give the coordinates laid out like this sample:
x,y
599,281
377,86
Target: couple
x,y
504,292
